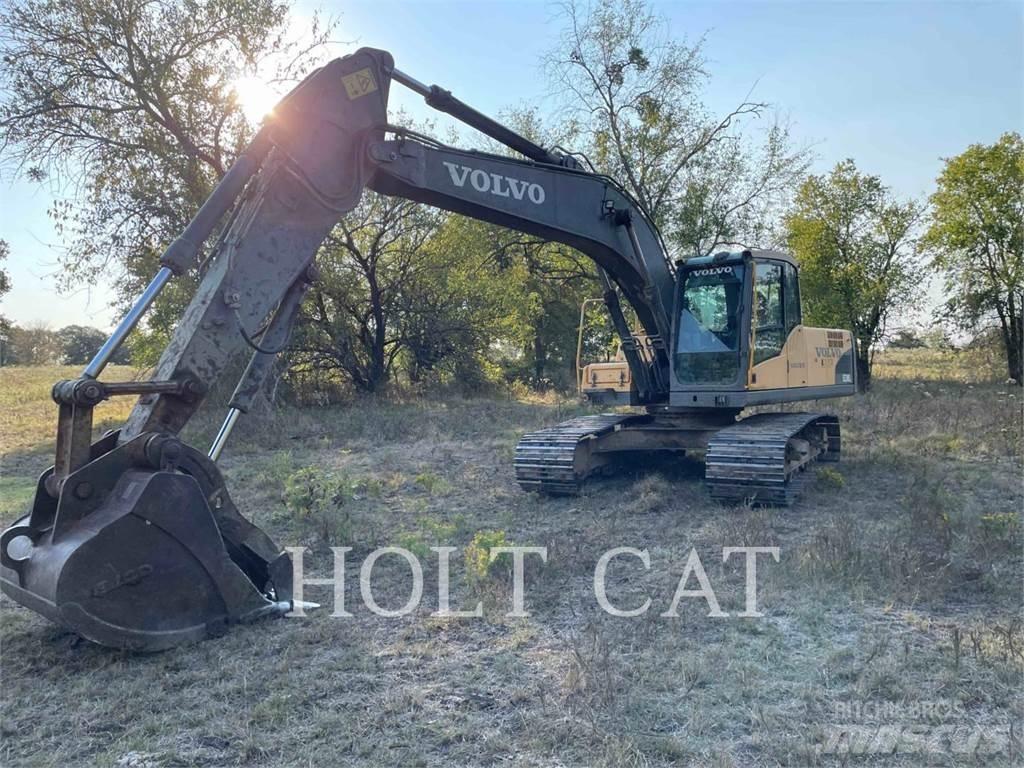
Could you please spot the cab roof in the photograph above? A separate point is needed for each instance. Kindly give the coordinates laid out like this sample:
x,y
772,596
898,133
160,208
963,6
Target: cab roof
x,y
731,257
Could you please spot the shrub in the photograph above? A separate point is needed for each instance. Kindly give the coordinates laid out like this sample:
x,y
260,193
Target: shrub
x,y
478,555
432,483
415,543
277,470
318,496
830,478
1001,528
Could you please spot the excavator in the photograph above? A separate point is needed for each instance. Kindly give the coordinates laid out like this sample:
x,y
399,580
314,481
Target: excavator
x,y
133,541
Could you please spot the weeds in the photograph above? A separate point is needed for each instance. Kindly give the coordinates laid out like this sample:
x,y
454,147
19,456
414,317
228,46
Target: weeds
x,y
276,471
479,565
830,478
928,529
322,498
1001,529
433,484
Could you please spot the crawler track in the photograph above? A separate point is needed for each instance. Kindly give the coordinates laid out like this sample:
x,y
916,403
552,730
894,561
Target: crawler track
x,y
762,458
556,460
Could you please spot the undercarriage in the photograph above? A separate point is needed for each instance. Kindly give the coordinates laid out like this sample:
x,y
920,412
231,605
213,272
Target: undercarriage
x,y
761,459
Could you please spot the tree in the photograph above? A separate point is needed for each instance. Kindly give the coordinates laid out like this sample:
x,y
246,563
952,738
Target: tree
x,y
5,324
351,322
463,306
633,96
855,246
131,105
906,339
976,235
548,280
34,345
79,343
5,279
551,281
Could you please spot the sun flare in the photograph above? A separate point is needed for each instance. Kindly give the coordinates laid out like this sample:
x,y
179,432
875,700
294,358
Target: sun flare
x,y
255,97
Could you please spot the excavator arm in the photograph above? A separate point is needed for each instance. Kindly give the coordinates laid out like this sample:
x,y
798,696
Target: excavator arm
x,y
133,541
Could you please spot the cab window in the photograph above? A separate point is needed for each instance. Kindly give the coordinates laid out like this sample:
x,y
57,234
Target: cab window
x,y
770,333
791,297
708,331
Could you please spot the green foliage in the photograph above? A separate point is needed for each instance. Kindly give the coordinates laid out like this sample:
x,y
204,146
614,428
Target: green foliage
x,y
32,345
277,468
5,324
976,235
481,304
479,565
830,478
462,307
906,339
322,498
79,343
135,101
442,299
353,320
938,338
432,484
310,490
855,247
5,278
71,345
429,532
415,542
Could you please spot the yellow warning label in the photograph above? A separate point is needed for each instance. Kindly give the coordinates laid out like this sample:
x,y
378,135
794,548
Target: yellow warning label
x,y
359,83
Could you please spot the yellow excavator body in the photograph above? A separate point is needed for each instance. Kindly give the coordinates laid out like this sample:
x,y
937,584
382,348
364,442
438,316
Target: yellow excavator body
x,y
808,358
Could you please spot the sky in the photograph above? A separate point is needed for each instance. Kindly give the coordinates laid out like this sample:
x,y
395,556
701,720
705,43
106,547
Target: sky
x,y
897,86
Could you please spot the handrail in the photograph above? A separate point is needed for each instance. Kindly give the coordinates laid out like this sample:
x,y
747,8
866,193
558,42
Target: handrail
x,y
579,344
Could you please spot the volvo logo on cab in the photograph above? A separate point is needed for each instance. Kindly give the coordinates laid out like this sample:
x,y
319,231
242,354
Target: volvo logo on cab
x,y
495,183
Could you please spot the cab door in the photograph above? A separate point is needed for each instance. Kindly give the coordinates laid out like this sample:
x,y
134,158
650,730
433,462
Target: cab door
x,y
768,369
776,333
796,339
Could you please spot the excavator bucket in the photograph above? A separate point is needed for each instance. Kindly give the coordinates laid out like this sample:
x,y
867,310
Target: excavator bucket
x,y
142,549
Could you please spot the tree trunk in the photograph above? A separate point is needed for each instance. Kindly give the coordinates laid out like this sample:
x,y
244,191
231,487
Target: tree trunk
x,y
1012,322
377,373
539,360
1012,341
863,365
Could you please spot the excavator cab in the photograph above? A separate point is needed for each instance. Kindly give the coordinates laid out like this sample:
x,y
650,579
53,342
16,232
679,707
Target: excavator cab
x,y
738,340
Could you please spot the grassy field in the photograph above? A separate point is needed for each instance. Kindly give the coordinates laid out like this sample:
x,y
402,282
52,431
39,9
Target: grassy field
x,y
896,601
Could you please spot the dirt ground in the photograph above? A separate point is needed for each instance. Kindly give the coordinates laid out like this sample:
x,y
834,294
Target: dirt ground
x,y
892,632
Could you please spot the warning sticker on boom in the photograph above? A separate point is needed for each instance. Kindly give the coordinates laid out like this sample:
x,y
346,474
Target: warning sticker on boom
x,y
359,83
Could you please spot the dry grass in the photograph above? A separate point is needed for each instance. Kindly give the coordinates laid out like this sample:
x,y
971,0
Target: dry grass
x,y
899,582
30,421
30,415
